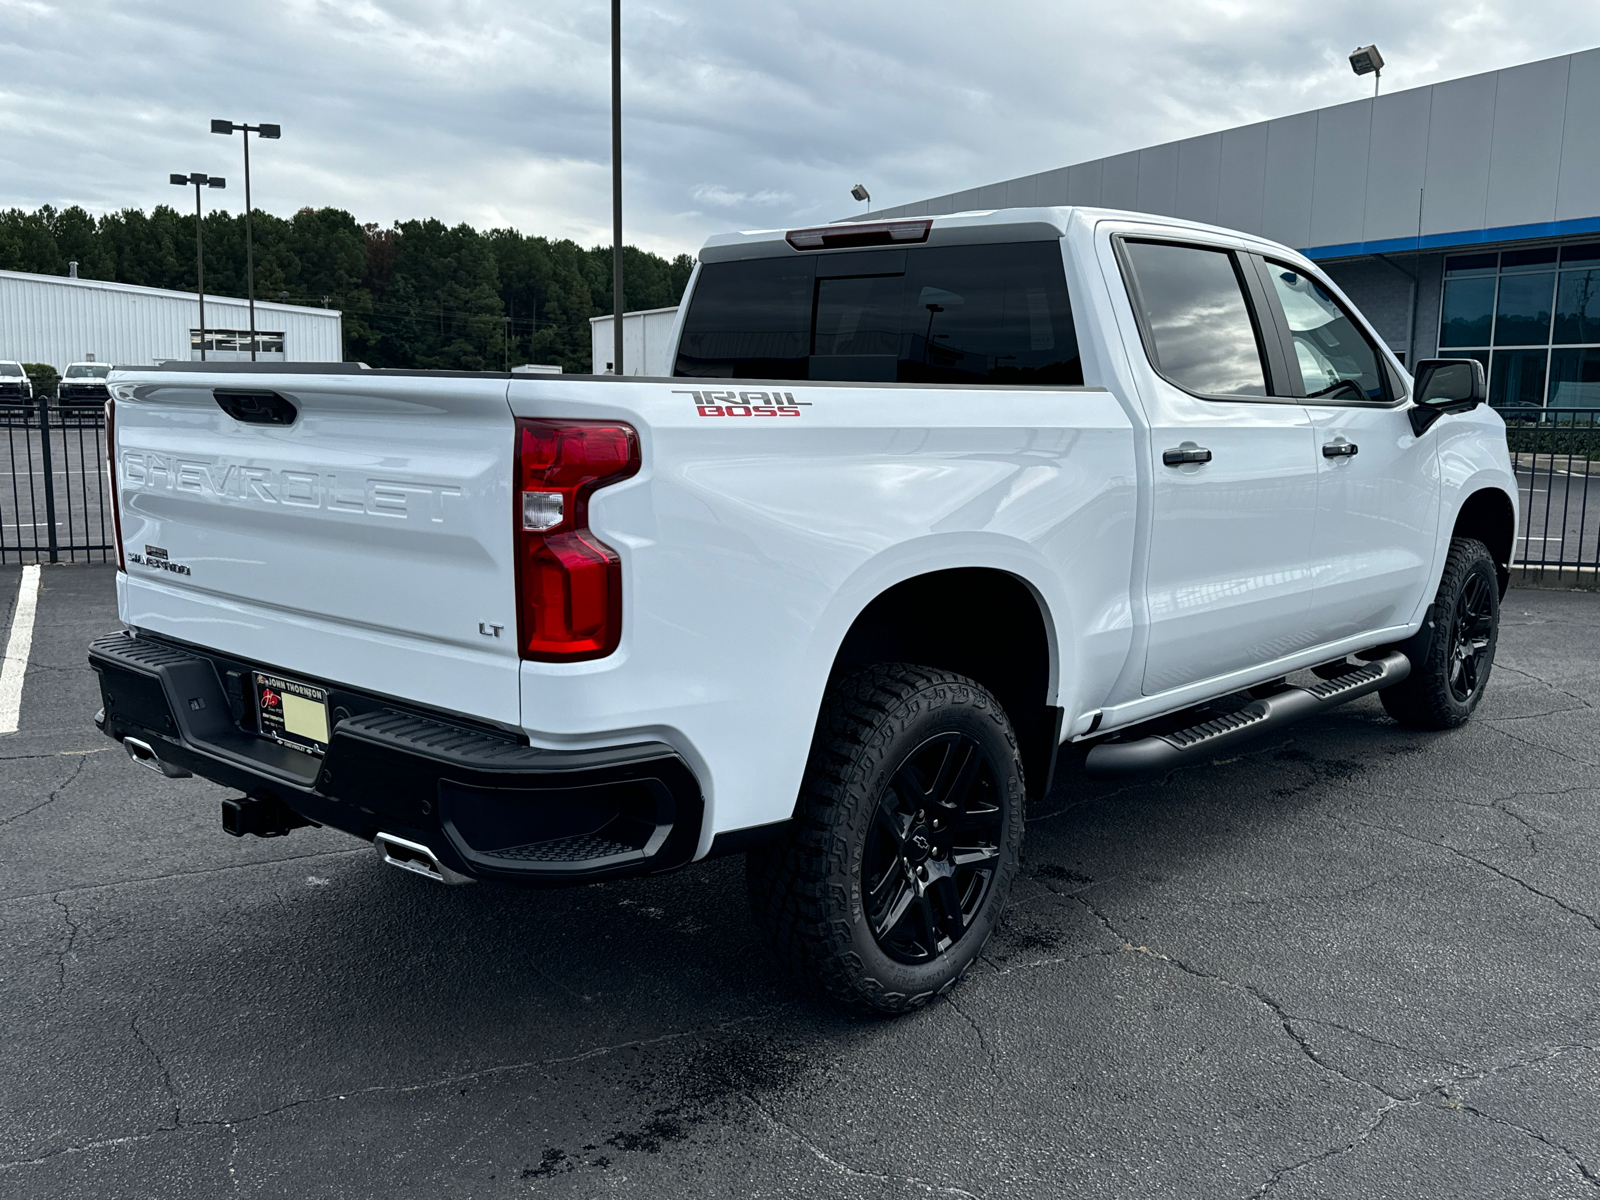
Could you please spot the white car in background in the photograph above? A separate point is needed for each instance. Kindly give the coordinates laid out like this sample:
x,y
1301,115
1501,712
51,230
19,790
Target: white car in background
x,y
15,386
83,383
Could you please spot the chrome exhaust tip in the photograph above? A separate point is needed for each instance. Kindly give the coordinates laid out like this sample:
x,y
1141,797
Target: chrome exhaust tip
x,y
145,755
415,857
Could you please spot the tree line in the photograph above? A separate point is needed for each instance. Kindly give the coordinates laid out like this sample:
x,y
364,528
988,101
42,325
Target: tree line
x,y
416,294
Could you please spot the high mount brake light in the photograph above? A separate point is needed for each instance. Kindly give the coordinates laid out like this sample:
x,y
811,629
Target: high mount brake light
x,y
111,477
877,233
569,582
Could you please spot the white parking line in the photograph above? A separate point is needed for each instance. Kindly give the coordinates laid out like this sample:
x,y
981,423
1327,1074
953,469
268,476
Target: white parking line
x,y
18,647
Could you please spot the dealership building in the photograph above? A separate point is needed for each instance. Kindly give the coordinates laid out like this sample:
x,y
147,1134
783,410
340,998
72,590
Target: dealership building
x,y
1462,218
58,319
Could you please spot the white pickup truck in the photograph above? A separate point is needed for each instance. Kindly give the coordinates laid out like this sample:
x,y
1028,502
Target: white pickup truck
x,y
923,501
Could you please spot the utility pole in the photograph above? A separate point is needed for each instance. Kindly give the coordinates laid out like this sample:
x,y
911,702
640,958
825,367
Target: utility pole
x,y
617,307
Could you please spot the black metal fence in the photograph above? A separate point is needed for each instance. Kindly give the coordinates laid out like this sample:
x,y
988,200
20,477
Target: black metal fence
x,y
56,506
1556,452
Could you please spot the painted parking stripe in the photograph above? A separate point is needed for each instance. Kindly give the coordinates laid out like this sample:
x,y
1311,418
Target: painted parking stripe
x,y
18,647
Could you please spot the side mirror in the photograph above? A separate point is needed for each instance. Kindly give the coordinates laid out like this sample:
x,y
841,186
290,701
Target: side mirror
x,y
1445,385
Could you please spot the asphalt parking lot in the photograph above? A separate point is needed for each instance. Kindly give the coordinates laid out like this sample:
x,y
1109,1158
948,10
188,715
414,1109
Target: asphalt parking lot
x,y
1350,961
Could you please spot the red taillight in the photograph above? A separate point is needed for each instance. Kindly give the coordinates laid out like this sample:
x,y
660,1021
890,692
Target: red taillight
x,y
569,582
111,478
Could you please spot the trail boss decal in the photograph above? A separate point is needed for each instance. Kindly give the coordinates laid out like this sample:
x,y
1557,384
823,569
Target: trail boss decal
x,y
713,403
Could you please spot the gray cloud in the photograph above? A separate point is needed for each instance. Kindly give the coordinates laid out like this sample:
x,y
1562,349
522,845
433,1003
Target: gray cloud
x,y
737,115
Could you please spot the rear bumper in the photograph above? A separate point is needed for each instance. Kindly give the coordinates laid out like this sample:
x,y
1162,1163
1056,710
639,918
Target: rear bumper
x,y
486,805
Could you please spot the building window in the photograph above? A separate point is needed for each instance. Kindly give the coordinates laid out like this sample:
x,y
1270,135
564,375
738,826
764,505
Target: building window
x,y
235,341
1532,318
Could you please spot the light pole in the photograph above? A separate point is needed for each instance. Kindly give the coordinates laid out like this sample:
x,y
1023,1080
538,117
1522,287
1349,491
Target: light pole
x,y
266,131
616,184
199,181
860,193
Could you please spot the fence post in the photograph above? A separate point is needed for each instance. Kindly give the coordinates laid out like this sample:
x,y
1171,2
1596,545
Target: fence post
x,y
49,478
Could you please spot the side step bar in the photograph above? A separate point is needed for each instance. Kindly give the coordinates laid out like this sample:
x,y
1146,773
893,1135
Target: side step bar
x,y
1116,760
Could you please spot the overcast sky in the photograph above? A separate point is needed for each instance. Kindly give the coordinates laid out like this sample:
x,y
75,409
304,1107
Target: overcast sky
x,y
737,115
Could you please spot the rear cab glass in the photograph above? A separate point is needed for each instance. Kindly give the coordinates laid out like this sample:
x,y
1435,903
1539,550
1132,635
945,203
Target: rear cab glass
x,y
986,313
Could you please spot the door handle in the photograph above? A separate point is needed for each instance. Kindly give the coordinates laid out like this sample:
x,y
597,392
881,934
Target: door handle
x,y
1340,449
1185,454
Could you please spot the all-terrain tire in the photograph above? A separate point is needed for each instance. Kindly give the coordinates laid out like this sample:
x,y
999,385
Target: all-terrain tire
x,y
888,739
1447,681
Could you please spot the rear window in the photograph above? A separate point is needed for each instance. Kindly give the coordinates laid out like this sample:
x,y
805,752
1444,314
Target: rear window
x,y
932,314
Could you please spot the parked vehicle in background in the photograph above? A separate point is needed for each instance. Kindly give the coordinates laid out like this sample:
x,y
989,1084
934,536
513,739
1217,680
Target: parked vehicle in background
x,y
15,386
83,383
926,499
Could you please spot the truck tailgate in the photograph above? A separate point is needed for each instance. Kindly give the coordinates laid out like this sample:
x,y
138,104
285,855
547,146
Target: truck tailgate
x,y
367,543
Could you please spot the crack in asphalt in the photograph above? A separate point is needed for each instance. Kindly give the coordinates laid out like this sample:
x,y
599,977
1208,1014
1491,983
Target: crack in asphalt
x,y
245,866
1589,1176
983,1041
166,1075
51,798
1506,875
1285,1020
72,938
1379,1117
843,1168
232,1123
1582,762
1537,679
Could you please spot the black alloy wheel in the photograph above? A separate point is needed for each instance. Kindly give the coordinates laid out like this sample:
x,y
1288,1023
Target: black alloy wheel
x,y
933,848
1471,636
894,872
1451,661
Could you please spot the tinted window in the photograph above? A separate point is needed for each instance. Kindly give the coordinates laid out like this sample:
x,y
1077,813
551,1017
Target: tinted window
x,y
952,314
1575,378
749,320
1468,311
1522,316
1337,362
1195,310
1578,307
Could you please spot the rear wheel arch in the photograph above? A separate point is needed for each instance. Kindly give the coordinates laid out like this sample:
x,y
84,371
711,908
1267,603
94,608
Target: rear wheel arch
x,y
986,624
1489,516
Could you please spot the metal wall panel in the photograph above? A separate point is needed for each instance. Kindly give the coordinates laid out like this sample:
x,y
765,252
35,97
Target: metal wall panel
x,y
55,320
1022,192
1199,174
1339,178
1083,183
1397,164
1286,197
965,201
1578,192
991,195
1241,192
1158,180
1458,154
1053,187
1119,181
1525,152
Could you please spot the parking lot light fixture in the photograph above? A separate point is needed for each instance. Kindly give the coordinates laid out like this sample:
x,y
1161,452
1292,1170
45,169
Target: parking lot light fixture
x,y
860,192
198,180
271,132
1365,60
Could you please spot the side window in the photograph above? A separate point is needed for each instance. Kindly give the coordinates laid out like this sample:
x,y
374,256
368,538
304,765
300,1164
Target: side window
x,y
749,320
1201,333
1337,362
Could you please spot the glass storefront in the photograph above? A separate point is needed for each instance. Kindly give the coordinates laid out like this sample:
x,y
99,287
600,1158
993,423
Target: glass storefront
x,y
1532,318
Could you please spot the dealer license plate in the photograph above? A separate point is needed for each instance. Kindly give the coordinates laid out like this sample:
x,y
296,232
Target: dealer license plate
x,y
292,713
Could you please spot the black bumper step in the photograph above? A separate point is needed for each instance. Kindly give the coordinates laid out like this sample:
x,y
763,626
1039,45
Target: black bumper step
x,y
1162,751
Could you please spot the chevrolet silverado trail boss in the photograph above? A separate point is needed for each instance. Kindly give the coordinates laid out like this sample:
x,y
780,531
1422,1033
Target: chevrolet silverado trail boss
x,y
923,500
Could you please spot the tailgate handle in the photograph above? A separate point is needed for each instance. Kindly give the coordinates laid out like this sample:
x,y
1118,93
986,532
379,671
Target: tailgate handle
x,y
255,408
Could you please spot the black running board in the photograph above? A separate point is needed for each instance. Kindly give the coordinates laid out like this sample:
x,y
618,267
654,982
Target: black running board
x,y
1114,760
